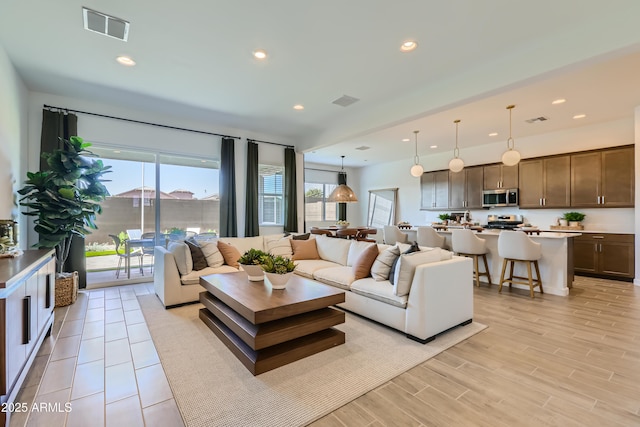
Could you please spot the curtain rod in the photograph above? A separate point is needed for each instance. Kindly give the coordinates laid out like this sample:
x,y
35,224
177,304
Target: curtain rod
x,y
49,107
269,142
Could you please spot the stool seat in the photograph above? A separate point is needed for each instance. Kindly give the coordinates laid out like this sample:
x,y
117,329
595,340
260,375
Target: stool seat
x,y
516,246
427,236
465,243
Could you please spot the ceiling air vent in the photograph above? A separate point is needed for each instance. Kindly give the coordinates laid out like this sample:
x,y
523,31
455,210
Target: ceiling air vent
x,y
345,101
537,119
363,148
111,26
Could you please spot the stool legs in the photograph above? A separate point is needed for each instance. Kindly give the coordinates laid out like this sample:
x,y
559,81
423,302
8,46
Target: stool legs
x,y
476,267
530,280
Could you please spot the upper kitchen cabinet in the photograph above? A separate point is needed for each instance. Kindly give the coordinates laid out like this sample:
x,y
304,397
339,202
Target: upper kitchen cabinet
x,y
500,176
545,182
465,188
434,189
603,178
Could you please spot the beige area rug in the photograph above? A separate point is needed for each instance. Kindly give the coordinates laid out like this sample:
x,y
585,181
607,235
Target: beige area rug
x,y
212,388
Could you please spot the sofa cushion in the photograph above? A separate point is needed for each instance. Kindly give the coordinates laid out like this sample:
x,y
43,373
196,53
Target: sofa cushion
x,y
304,249
211,252
404,249
243,244
356,249
307,267
378,290
230,254
197,256
362,266
182,255
278,245
193,278
333,249
407,264
340,277
382,265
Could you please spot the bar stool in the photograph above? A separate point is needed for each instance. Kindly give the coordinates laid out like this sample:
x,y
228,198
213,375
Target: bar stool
x,y
465,243
514,246
392,235
427,236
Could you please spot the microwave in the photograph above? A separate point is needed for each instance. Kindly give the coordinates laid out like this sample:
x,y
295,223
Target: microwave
x,y
500,197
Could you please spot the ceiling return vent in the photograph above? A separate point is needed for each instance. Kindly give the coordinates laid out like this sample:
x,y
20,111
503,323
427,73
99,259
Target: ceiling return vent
x,y
345,101
104,24
537,119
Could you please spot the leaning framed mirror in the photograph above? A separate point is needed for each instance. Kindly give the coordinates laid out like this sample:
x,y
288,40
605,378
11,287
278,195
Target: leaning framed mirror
x,y
382,207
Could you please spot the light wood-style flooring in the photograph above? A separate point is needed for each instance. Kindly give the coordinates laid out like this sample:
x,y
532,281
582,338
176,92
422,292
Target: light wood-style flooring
x,y
548,361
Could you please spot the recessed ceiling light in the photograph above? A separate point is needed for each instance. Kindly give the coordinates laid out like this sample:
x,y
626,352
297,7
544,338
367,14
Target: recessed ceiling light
x,y
579,116
125,60
433,146
493,134
558,101
408,46
405,139
116,151
259,54
298,107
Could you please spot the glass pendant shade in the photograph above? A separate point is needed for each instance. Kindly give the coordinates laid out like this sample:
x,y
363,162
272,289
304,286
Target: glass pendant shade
x,y
417,170
456,164
511,157
342,194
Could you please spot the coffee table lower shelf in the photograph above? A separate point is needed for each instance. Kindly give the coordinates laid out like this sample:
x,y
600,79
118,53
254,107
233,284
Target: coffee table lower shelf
x,y
266,359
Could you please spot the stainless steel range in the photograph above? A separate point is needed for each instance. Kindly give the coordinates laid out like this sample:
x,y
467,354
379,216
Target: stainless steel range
x,y
503,222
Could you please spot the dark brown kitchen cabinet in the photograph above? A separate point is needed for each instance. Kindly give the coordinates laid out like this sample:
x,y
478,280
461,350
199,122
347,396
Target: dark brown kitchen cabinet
x,y
434,188
500,176
604,255
545,182
603,178
465,188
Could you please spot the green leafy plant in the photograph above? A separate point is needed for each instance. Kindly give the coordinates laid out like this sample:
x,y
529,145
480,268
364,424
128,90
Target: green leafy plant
x,y
277,264
573,216
252,257
444,217
66,198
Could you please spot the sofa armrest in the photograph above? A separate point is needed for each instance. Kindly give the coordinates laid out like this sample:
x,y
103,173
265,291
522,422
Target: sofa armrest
x,y
440,298
166,278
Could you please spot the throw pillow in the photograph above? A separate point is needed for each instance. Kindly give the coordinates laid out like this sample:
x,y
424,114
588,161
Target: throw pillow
x,y
199,260
362,266
407,264
304,249
304,236
382,265
211,252
230,254
278,245
333,249
411,249
182,255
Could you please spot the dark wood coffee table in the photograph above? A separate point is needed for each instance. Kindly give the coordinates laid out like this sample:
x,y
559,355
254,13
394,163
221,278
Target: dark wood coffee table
x,y
267,328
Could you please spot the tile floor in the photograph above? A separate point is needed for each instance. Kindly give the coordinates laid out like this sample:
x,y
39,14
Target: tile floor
x,y
101,361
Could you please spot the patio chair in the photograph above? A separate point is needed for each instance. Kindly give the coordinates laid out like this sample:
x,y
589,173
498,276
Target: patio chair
x,y
137,253
147,250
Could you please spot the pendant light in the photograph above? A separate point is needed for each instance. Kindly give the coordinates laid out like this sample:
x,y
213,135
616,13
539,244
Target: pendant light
x,y
416,169
456,164
342,193
511,157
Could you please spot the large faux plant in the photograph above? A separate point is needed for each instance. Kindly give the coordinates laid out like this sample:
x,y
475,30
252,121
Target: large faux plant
x,y
65,199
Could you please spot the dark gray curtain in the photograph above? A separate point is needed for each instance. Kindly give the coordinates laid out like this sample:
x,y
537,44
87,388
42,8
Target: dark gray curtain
x,y
228,211
252,225
342,207
290,191
56,125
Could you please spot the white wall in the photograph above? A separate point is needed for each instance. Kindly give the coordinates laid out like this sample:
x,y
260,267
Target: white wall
x,y
636,281
13,141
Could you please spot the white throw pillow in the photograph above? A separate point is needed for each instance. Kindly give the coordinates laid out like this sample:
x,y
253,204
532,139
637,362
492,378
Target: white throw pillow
x,y
182,255
406,268
211,252
333,249
382,265
278,245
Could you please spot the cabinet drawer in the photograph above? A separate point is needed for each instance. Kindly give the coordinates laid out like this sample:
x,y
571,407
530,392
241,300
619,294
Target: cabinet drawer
x,y
606,237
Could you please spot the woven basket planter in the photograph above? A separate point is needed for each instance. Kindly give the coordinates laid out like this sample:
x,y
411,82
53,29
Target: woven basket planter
x,y
67,290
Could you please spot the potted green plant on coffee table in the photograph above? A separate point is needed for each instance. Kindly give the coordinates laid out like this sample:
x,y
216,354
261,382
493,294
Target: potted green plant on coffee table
x,y
277,270
251,262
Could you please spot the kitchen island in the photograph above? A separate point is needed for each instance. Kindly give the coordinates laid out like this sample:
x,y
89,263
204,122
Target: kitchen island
x,y
556,264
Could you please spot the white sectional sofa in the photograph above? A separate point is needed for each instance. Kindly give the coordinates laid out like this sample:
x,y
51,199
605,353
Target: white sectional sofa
x,y
439,292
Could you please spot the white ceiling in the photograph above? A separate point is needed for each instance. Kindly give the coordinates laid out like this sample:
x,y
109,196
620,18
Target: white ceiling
x,y
473,59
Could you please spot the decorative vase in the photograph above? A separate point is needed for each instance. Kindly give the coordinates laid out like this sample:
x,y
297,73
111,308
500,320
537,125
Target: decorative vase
x,y
342,226
277,281
563,222
574,223
255,272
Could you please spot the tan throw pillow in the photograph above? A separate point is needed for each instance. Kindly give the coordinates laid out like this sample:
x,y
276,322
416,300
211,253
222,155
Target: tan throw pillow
x,y
304,249
230,254
382,265
362,266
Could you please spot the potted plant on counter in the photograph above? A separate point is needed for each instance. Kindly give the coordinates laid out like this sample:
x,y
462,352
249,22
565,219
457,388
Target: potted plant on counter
x,y
573,218
444,217
277,270
251,262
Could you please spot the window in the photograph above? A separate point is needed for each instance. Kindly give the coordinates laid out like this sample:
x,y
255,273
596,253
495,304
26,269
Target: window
x,y
271,195
316,207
